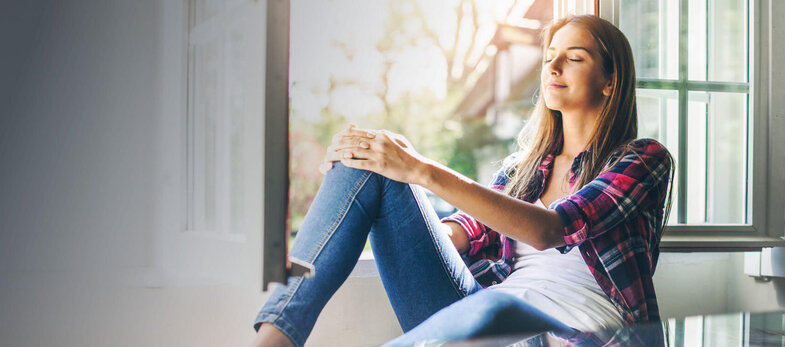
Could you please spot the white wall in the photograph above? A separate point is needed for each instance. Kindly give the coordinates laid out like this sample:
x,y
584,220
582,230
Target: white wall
x,y
711,283
91,142
78,135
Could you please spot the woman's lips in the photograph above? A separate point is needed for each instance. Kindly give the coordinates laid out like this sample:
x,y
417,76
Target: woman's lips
x,y
556,85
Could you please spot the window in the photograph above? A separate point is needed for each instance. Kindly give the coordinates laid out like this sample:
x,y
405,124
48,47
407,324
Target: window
x,y
455,77
224,115
696,98
668,95
702,72
736,329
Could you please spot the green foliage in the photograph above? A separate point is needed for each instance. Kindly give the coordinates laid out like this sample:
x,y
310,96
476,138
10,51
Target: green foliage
x,y
427,120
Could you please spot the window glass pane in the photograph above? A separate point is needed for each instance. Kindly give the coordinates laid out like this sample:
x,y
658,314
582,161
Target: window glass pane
x,y
697,119
717,157
693,331
658,118
696,41
652,27
718,39
204,90
715,147
725,330
223,115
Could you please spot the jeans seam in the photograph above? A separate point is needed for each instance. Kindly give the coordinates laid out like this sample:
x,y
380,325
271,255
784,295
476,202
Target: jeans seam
x,y
342,214
436,245
289,294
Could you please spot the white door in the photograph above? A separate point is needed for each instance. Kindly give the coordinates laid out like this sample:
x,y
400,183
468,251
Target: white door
x,y
220,46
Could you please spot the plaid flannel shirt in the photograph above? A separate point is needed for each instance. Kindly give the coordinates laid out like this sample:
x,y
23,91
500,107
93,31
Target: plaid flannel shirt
x,y
615,221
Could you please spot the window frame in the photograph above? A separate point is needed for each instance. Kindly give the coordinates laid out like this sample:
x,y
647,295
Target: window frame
x,y
238,29
276,145
766,187
766,222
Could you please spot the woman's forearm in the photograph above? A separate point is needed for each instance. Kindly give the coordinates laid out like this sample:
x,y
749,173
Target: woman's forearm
x,y
523,221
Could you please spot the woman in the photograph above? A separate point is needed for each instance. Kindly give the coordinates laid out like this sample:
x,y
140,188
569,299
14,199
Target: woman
x,y
584,263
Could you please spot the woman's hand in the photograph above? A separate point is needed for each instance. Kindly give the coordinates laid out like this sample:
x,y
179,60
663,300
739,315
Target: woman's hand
x,y
335,150
381,151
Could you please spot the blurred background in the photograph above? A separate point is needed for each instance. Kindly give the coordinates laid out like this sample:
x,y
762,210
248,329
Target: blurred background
x,y
457,78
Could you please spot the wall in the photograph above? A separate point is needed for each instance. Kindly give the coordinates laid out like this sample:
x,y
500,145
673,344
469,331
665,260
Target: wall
x,y
78,133
91,141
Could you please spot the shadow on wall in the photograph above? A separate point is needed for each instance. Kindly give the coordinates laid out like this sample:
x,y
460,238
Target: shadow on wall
x,y
779,287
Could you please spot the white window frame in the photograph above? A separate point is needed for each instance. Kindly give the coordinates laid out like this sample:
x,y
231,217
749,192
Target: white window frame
x,y
766,183
270,180
217,28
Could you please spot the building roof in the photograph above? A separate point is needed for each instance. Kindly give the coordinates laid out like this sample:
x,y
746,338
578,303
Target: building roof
x,y
522,69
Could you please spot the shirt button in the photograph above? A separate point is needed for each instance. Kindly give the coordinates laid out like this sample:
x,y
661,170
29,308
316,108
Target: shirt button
x,y
493,283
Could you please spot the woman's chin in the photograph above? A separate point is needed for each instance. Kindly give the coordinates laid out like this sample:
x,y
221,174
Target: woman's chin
x,y
554,106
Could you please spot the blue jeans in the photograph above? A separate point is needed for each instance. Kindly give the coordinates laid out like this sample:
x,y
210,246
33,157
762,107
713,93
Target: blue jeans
x,y
433,293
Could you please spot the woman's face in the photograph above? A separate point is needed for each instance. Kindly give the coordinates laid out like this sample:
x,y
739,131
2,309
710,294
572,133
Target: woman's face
x,y
572,76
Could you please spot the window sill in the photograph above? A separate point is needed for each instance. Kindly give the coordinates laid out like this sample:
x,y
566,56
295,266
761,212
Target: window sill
x,y
717,243
366,266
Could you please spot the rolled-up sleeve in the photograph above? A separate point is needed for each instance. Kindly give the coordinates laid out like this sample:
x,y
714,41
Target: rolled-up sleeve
x,y
479,235
636,183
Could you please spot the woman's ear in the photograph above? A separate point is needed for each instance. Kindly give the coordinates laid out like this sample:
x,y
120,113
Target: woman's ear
x,y
608,87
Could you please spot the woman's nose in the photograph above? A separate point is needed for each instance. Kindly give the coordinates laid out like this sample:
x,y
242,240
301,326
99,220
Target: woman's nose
x,y
554,67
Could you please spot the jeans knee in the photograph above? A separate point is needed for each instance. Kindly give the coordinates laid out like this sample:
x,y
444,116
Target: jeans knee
x,y
340,169
492,304
388,184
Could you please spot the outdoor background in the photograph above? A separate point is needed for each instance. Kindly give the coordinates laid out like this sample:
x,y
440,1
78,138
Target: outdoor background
x,y
425,69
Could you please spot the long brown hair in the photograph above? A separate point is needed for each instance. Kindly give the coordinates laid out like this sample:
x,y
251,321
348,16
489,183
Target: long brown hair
x,y
616,125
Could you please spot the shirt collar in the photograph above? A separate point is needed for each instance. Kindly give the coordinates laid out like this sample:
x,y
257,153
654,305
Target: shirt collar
x,y
546,166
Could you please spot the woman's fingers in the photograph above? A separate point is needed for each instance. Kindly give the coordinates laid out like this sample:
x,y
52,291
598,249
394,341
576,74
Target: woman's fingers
x,y
348,143
356,153
330,157
351,137
357,132
353,142
356,147
325,166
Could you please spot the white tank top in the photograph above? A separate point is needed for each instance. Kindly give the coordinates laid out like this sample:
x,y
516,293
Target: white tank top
x,y
560,285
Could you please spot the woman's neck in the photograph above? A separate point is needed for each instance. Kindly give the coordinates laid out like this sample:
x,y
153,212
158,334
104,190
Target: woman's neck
x,y
577,130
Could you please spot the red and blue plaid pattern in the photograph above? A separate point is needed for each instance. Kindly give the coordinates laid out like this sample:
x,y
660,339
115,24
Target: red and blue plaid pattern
x,y
615,220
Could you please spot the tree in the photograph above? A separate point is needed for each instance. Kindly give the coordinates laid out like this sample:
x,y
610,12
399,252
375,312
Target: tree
x,y
422,111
